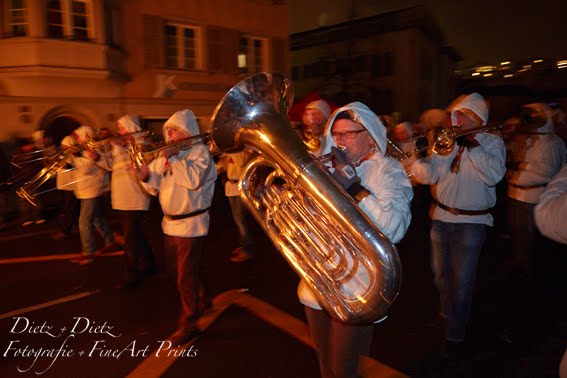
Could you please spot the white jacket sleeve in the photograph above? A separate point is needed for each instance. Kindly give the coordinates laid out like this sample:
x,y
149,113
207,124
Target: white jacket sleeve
x,y
191,171
489,160
550,212
388,205
550,157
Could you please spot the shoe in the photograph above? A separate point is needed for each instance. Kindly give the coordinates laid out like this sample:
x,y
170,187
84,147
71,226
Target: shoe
x,y
83,260
114,247
240,255
183,335
59,235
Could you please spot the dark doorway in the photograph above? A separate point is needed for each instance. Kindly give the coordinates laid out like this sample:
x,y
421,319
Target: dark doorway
x,y
60,128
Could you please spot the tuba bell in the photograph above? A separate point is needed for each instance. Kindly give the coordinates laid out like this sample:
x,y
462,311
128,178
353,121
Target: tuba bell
x,y
350,266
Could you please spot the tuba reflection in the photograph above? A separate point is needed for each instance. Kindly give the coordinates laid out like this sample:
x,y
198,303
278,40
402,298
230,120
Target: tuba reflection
x,y
310,219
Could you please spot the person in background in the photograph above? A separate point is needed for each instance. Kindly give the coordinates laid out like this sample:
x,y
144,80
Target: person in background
x,y
549,215
537,154
91,184
463,190
315,116
233,164
382,190
69,213
433,118
131,202
184,180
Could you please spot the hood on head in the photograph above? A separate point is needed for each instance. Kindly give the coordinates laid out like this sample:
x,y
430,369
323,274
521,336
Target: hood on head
x,y
184,120
473,102
68,141
84,132
320,105
130,122
544,111
407,126
367,118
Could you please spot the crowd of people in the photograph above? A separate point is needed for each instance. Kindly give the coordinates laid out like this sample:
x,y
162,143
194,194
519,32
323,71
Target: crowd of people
x,y
449,160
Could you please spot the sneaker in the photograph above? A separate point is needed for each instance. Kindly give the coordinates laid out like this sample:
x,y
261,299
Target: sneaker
x,y
183,335
83,260
240,255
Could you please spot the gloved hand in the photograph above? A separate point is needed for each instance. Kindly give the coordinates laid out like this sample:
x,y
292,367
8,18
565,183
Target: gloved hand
x,y
344,172
467,141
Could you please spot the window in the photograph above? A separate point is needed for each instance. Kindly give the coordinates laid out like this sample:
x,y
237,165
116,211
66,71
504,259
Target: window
x,y
69,19
182,47
251,55
17,18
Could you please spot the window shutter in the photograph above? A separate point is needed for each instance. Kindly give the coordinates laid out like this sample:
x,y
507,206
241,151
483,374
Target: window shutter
x,y
222,49
280,55
152,34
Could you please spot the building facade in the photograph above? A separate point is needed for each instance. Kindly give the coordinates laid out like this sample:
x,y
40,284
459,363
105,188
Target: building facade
x,y
64,63
397,63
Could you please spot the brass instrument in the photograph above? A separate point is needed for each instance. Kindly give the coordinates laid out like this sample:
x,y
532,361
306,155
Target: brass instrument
x,y
103,145
311,141
141,157
350,266
444,138
28,191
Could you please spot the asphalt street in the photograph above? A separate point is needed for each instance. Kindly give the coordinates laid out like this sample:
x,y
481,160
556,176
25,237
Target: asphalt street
x,y
59,319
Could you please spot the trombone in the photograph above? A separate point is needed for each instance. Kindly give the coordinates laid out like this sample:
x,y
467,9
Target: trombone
x,y
442,140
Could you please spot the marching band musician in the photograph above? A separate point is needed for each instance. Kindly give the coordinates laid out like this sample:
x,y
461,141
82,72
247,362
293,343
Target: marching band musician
x,y
315,116
463,190
91,184
382,190
131,201
184,181
537,154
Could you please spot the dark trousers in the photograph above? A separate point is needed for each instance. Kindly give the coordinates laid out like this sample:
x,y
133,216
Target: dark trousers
x,y
524,233
183,256
139,257
69,214
339,345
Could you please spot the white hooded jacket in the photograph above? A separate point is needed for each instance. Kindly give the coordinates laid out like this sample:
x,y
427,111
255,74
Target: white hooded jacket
x,y
550,212
125,189
187,185
91,176
388,205
538,156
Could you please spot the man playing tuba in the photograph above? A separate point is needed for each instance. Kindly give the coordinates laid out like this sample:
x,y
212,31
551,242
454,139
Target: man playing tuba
x,y
382,190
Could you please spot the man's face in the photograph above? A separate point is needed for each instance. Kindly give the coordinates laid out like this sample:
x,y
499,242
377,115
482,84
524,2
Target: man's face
x,y
401,134
360,144
174,134
467,119
313,121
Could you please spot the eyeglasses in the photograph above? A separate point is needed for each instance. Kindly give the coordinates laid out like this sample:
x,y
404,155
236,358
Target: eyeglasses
x,y
347,134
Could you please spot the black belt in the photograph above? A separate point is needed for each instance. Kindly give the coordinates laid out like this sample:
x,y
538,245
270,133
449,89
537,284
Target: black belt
x,y
455,211
528,186
185,216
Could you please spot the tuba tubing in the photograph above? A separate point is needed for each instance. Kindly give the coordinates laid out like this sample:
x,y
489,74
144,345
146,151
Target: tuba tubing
x,y
351,267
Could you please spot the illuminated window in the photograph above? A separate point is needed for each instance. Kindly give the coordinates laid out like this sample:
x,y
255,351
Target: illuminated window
x,y
69,19
16,18
182,47
251,55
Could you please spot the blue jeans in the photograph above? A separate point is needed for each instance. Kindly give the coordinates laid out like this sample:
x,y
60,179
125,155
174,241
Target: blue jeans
x,y
91,216
455,249
240,217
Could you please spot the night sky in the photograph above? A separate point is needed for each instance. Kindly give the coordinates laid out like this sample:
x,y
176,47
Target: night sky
x,y
482,31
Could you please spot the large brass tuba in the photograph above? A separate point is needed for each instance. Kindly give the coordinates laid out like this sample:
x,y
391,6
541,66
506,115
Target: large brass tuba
x,y
351,267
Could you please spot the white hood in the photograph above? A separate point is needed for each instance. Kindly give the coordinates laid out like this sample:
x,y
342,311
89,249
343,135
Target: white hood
x,y
474,102
541,108
130,123
367,118
84,132
184,120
